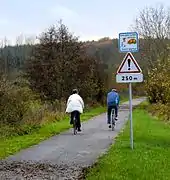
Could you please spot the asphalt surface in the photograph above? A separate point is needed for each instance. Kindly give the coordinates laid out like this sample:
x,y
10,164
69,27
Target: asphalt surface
x,y
67,152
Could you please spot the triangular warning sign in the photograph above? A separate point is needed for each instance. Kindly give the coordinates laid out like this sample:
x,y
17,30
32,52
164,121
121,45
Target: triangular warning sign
x,y
129,65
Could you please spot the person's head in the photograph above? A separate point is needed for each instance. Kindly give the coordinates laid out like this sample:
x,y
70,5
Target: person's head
x,y
114,90
75,91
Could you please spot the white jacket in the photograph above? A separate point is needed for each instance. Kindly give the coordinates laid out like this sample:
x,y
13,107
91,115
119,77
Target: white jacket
x,y
75,103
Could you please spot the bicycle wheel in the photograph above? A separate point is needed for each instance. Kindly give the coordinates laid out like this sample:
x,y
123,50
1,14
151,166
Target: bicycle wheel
x,y
113,119
75,126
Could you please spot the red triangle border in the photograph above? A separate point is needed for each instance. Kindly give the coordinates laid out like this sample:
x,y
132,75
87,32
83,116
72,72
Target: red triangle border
x,y
123,62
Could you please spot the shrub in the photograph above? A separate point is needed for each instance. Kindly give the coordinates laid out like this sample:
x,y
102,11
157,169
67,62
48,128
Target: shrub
x,y
158,83
158,89
162,111
39,114
14,102
22,111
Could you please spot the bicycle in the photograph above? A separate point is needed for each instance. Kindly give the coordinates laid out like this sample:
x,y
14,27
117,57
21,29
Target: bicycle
x,y
113,119
74,125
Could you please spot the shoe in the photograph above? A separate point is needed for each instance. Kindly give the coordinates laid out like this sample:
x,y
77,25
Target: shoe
x,y
116,119
71,122
79,130
110,126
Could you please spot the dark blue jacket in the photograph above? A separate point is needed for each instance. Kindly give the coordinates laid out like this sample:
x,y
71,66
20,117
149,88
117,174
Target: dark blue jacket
x,y
112,98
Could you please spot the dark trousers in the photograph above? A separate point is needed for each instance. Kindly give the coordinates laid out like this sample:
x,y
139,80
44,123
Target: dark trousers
x,y
76,114
109,109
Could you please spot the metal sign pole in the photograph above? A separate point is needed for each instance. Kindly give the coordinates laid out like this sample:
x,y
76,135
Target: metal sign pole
x,y
130,114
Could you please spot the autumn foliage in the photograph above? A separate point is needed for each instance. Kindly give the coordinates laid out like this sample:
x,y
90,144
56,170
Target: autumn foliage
x,y
158,83
153,24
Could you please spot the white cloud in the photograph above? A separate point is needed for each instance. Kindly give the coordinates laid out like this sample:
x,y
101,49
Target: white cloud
x,y
81,25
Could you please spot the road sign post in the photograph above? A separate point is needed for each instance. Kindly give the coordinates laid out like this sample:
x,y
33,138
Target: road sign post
x,y
129,70
130,115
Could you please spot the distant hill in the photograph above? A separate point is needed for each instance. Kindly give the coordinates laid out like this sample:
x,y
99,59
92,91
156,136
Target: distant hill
x,y
12,57
109,53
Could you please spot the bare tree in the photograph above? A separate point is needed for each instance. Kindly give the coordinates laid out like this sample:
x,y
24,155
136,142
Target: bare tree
x,y
30,40
153,25
20,40
4,55
4,42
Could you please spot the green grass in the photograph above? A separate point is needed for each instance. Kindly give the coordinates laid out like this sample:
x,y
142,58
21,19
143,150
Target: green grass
x,y
13,144
150,159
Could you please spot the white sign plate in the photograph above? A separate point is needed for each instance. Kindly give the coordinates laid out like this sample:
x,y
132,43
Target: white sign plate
x,y
128,42
129,65
129,78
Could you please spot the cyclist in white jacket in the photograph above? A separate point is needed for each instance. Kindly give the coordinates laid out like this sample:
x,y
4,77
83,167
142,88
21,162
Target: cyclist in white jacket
x,y
75,106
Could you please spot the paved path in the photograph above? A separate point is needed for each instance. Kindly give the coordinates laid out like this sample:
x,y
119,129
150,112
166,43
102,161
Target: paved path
x,y
82,149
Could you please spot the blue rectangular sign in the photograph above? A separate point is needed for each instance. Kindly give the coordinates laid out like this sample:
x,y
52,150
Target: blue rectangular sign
x,y
128,42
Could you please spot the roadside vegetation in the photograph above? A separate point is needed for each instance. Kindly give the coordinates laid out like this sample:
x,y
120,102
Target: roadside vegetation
x,y
148,160
153,25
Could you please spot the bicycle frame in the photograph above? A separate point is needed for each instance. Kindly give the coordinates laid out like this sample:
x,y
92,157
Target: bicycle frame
x,y
113,118
75,125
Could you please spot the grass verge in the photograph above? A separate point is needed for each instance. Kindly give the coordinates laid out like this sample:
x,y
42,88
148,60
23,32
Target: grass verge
x,y
150,158
11,145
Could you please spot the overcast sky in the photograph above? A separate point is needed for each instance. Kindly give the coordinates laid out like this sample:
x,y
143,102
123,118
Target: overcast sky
x,y
89,19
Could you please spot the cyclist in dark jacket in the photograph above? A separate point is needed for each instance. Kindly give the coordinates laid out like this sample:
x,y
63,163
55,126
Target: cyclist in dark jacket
x,y
112,103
